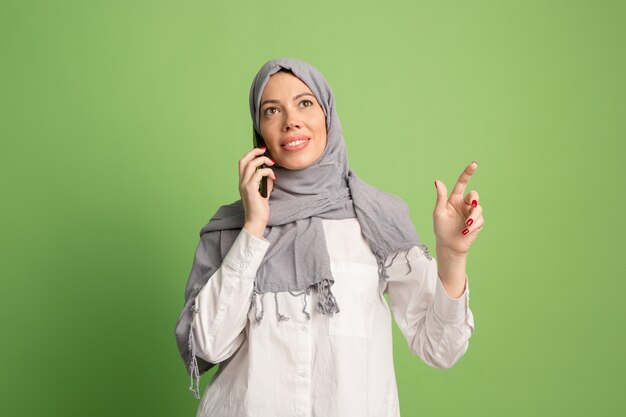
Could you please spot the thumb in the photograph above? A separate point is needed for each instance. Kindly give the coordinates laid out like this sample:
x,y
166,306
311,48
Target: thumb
x,y
442,194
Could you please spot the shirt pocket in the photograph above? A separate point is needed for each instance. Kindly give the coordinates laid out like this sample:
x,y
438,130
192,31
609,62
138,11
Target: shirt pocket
x,y
356,291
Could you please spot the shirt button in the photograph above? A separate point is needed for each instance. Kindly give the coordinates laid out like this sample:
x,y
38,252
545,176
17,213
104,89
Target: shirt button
x,y
304,328
302,373
241,265
247,254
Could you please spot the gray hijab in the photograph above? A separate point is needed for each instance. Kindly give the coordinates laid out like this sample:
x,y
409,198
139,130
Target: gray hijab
x,y
297,258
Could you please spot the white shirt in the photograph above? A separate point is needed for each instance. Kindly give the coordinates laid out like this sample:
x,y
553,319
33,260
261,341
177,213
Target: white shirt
x,y
325,366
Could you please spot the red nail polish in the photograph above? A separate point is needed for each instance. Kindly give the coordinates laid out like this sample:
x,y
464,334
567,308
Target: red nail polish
x,y
466,231
469,222
262,147
474,203
271,160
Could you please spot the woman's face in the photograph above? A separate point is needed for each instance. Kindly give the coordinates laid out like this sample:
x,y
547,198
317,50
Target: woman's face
x,y
292,122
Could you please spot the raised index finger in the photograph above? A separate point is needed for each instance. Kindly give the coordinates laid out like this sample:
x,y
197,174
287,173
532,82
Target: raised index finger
x,y
461,183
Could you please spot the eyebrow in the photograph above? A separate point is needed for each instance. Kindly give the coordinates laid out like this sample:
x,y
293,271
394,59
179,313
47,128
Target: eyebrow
x,y
294,98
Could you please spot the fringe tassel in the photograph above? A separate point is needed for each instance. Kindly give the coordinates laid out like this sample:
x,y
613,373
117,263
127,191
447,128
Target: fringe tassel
x,y
305,292
193,371
308,316
382,268
279,316
257,317
382,272
392,259
408,263
327,304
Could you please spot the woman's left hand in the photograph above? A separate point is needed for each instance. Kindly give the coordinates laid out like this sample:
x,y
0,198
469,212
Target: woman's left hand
x,y
457,220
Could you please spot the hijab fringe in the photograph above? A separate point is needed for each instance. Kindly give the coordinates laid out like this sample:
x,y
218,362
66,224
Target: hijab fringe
x,y
305,292
424,249
326,304
279,317
408,263
308,316
382,273
193,368
382,267
257,317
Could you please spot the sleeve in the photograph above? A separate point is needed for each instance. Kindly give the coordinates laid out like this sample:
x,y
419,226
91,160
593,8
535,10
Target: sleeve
x,y
436,327
221,307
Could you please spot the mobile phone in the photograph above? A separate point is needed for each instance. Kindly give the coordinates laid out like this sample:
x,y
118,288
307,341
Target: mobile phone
x,y
258,141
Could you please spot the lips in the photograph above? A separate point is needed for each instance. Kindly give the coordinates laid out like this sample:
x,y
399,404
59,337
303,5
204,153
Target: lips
x,y
293,139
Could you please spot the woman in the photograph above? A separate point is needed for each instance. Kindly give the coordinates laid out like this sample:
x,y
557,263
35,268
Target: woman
x,y
324,234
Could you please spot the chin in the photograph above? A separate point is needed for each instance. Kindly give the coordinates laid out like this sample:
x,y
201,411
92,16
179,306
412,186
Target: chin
x,y
295,165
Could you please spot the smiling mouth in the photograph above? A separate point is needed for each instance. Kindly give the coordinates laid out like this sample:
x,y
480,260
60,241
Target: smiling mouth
x,y
295,143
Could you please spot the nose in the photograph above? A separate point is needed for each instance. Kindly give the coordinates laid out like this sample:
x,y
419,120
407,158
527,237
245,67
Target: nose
x,y
291,121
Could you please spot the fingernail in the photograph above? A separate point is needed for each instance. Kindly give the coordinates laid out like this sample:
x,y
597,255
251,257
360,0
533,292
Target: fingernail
x,y
466,231
474,203
262,147
475,162
469,222
271,160
435,184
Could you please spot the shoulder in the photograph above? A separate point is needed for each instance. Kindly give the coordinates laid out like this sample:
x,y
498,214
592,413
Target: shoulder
x,y
228,216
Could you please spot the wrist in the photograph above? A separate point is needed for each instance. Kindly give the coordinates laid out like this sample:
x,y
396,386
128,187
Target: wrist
x,y
255,229
449,255
451,267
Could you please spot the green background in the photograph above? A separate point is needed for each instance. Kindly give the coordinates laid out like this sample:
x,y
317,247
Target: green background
x,y
122,123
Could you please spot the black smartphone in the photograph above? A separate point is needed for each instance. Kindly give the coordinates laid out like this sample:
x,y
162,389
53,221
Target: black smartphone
x,y
258,141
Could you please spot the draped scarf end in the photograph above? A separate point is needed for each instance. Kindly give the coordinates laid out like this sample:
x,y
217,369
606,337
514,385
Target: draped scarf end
x,y
257,317
280,317
424,249
193,368
326,304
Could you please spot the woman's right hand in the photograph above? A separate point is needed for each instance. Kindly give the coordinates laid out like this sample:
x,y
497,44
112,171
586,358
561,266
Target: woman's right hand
x,y
257,208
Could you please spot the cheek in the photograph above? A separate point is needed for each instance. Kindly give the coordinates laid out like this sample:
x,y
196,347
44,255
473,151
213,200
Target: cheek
x,y
267,131
322,134
320,126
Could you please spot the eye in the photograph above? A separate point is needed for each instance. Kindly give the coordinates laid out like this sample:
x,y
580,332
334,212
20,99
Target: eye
x,y
306,103
269,111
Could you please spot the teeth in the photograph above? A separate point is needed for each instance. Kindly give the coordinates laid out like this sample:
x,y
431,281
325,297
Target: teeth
x,y
295,143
